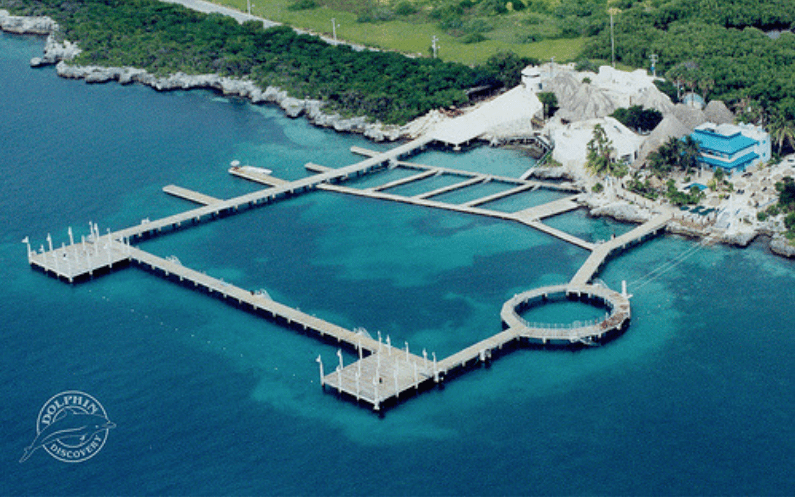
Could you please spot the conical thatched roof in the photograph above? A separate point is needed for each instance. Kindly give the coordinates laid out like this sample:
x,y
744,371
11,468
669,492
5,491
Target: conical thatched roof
x,y
717,112
563,84
588,102
689,116
669,127
652,98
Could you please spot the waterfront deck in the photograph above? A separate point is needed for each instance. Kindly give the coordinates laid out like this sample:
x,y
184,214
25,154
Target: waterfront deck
x,y
381,377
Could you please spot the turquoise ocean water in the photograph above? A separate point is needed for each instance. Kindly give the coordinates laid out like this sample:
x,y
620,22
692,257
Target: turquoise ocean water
x,y
695,399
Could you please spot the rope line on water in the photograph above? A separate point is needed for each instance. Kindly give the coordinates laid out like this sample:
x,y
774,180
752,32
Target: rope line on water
x,y
664,268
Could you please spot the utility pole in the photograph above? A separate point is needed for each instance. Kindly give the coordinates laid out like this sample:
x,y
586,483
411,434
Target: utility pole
x,y
248,3
434,45
653,58
334,28
612,41
612,11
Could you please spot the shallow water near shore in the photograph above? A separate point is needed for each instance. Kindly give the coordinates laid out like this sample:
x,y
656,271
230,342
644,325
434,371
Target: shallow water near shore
x,y
695,398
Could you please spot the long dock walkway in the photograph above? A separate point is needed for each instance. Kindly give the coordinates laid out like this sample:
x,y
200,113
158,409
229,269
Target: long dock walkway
x,y
386,372
268,195
383,373
602,251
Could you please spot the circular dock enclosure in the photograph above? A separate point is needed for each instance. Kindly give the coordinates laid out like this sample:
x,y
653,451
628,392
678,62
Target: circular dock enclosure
x,y
589,333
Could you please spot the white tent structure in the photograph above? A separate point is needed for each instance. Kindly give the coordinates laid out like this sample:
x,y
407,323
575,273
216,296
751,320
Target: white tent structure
x,y
514,106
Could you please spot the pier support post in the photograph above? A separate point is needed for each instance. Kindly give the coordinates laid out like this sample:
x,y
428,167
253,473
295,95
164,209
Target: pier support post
x,y
397,390
26,241
319,360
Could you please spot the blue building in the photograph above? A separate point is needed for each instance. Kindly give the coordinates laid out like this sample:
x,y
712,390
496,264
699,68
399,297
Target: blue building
x,y
731,147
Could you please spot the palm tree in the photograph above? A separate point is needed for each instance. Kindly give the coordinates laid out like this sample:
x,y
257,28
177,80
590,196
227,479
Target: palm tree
x,y
600,153
782,131
689,151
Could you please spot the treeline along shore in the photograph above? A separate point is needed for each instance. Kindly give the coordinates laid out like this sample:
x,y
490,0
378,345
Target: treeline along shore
x,y
171,47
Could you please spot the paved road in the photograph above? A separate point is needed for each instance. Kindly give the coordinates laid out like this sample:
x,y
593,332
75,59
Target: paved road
x,y
208,7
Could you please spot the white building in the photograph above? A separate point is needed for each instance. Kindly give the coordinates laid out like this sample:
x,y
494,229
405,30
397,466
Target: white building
x,y
576,136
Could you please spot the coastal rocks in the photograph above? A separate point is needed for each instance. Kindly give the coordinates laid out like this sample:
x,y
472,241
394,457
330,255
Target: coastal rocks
x,y
621,211
545,172
739,238
781,246
55,51
293,107
677,227
40,25
26,25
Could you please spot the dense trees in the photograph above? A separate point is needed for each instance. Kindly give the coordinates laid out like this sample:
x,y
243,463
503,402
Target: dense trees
x,y
716,49
674,155
638,118
165,38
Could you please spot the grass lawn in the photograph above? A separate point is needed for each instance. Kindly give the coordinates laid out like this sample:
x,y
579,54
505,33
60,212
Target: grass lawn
x,y
409,38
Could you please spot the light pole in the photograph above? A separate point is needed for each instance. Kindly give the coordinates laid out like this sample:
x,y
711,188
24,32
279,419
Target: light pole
x,y
334,26
434,45
248,4
653,58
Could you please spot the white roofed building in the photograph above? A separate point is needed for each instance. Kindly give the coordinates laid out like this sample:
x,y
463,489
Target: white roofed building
x,y
576,136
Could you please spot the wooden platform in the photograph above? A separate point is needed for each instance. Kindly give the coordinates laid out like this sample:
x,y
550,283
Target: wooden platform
x,y
195,197
80,260
382,376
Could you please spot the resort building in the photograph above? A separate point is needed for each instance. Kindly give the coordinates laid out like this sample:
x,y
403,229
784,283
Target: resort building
x,y
731,147
576,136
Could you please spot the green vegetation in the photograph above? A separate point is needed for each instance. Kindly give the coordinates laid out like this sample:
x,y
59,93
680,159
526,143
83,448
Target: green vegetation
x,y
642,188
638,119
717,49
674,155
601,155
549,101
676,197
469,31
786,204
166,38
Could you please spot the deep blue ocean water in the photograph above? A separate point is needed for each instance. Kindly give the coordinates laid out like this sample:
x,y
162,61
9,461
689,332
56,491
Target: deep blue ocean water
x,y
695,399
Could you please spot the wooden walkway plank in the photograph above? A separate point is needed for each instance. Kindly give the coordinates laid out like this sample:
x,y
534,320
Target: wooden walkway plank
x,y
603,250
550,209
404,181
195,197
499,195
449,188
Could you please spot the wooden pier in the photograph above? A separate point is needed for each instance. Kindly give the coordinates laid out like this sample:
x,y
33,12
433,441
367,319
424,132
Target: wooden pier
x,y
602,251
195,197
383,374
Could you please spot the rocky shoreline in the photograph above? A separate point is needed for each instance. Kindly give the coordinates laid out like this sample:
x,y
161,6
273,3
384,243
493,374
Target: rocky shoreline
x,y
59,52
